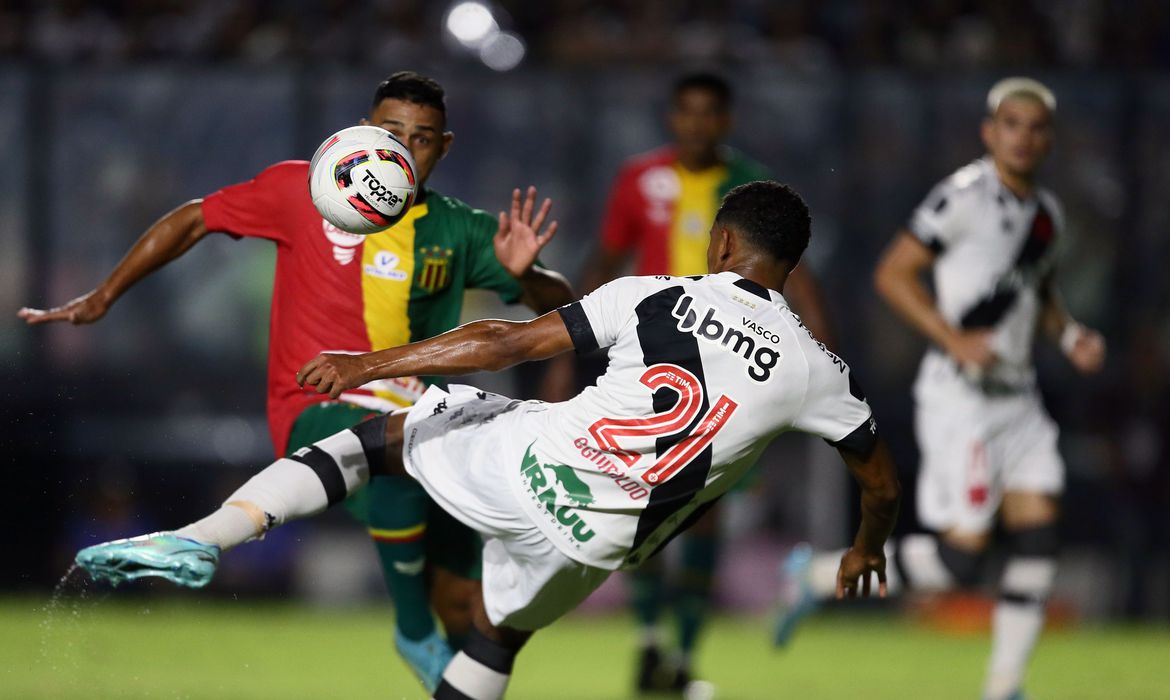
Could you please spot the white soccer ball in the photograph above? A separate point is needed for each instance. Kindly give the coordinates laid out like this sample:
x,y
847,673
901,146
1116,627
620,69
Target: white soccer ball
x,y
362,179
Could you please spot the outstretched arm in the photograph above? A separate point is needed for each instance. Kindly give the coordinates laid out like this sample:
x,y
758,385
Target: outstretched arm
x,y
898,279
489,345
165,240
518,241
880,493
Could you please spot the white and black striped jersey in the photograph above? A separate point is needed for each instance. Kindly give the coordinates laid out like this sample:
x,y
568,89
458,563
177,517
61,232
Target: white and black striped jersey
x,y
994,252
703,373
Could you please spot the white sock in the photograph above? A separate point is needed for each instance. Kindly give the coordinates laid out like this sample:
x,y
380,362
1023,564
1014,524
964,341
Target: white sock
x,y
466,677
226,527
1017,622
315,478
919,561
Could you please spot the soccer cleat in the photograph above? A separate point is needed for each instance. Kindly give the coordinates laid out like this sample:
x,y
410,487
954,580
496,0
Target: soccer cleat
x,y
427,657
797,599
162,554
654,674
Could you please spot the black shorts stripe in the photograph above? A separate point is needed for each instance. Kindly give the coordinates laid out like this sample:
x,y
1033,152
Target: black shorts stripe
x,y
577,323
327,470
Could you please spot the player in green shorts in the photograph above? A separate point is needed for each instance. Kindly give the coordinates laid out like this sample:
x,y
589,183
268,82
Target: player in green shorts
x,y
343,292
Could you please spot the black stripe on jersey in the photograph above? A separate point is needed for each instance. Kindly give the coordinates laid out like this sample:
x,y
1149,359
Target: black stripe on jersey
x,y
577,323
662,341
990,310
753,287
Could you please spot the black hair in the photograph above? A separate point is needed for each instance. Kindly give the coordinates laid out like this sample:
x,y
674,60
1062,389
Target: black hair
x,y
770,217
710,82
412,87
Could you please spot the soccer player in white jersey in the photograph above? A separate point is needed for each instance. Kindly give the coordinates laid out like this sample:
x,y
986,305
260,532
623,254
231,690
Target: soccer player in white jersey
x,y
988,448
704,372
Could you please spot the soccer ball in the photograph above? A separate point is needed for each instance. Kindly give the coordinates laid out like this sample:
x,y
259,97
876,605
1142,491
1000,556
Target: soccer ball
x,y
362,179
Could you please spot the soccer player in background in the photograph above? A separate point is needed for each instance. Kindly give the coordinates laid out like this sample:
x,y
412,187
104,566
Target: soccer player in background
x,y
660,210
339,291
704,372
988,448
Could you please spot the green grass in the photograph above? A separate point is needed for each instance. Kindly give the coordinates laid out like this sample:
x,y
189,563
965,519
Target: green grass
x,y
222,649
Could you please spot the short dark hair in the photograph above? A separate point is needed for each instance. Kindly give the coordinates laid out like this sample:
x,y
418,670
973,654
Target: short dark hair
x,y
412,87
710,82
770,216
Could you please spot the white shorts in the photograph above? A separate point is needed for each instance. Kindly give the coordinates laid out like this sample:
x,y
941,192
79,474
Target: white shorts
x,y
459,445
974,447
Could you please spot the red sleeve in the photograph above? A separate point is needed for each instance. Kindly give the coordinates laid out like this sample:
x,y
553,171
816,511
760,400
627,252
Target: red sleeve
x,y
619,229
258,207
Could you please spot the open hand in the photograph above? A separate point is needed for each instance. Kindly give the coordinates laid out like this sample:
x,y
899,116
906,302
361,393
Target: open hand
x,y
333,373
86,308
972,349
518,239
856,565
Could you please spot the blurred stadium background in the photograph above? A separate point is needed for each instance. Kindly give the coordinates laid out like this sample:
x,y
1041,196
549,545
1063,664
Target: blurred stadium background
x,y
114,112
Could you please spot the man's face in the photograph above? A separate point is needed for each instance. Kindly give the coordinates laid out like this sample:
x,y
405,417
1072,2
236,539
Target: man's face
x,y
420,127
1018,135
699,122
714,244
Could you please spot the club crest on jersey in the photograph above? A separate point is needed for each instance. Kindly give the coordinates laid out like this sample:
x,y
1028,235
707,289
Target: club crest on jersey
x,y
434,273
549,483
345,244
761,358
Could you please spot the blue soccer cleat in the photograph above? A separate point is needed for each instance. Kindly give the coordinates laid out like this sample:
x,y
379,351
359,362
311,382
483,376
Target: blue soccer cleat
x,y
162,554
427,657
797,600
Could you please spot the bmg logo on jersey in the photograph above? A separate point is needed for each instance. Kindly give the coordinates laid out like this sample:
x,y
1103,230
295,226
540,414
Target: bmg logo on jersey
x,y
761,358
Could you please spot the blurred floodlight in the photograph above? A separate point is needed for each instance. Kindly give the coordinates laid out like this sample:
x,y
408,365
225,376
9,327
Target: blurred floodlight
x,y
502,52
472,24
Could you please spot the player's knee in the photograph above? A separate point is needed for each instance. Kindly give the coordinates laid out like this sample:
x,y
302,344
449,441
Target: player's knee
x,y
1039,541
453,600
962,564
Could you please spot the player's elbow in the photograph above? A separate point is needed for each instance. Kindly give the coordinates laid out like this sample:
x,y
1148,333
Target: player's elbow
x,y
885,278
885,493
502,345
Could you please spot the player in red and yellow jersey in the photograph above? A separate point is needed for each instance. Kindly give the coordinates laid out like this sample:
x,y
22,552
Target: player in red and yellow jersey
x,y
343,292
659,213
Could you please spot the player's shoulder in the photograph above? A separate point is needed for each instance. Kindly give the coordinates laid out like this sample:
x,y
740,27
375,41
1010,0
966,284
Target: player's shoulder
x,y
972,181
452,210
641,162
1051,202
287,171
741,168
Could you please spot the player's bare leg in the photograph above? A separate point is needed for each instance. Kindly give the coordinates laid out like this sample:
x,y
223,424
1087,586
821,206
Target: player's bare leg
x,y
482,669
1030,520
453,600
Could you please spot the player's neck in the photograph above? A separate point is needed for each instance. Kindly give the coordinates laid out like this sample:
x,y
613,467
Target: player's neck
x,y
1022,186
768,274
698,162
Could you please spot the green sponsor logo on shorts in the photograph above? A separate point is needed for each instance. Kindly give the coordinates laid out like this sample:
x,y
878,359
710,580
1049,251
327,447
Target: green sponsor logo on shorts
x,y
544,480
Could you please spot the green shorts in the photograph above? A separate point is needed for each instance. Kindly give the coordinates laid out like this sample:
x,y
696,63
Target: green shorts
x,y
449,543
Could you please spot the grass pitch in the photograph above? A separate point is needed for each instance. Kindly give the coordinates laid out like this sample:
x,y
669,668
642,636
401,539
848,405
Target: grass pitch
x,y
150,648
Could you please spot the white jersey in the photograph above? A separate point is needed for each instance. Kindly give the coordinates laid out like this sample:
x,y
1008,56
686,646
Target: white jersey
x,y
994,252
703,373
